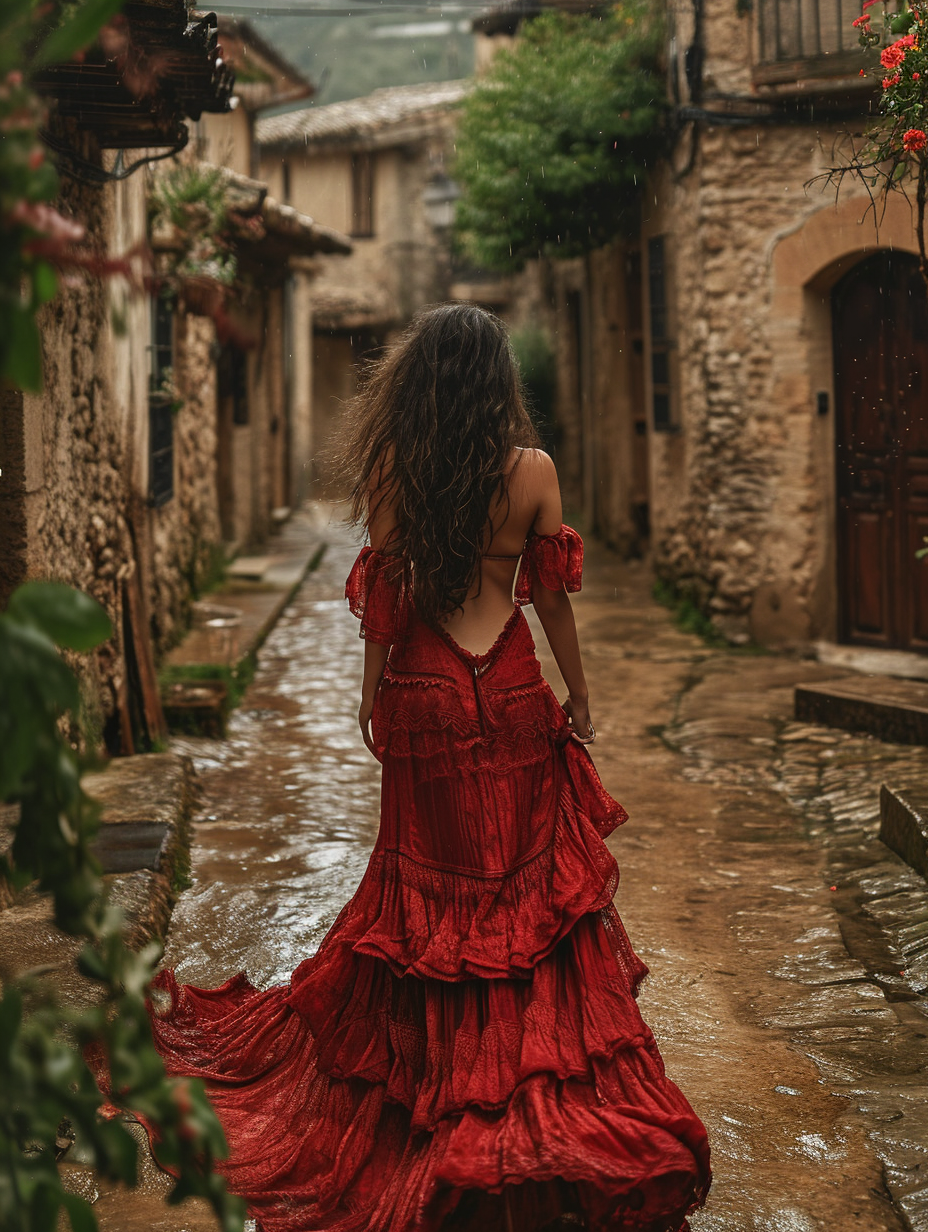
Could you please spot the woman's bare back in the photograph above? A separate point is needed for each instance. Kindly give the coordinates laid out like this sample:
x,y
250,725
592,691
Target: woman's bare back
x,y
532,502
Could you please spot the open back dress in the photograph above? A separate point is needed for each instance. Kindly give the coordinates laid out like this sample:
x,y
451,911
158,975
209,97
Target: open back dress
x,y
464,1051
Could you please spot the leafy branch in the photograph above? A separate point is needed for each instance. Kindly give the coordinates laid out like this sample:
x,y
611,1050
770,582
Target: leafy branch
x,y
37,242
556,139
51,1055
188,203
894,151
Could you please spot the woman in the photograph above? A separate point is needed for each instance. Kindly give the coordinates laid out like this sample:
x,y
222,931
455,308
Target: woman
x,y
464,1051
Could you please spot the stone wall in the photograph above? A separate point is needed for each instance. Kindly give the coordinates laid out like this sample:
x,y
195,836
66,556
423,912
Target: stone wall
x,y
77,478
184,533
741,486
742,492
74,459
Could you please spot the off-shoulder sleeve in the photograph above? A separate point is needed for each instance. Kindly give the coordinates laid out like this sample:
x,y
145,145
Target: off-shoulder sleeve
x,y
554,560
375,594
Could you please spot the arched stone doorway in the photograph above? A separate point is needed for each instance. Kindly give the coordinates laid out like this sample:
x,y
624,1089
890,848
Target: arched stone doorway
x,y
880,338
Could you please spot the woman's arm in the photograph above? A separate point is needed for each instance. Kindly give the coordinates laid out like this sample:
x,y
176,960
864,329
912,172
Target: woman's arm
x,y
557,620
381,523
375,660
553,606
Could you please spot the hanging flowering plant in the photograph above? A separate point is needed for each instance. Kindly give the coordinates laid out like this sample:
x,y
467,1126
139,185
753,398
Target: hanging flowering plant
x,y
895,150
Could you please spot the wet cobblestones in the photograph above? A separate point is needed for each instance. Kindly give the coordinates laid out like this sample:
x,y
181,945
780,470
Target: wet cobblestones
x,y
864,1017
777,1001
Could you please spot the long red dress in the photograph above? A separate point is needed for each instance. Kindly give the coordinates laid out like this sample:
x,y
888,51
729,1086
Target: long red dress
x,y
464,1050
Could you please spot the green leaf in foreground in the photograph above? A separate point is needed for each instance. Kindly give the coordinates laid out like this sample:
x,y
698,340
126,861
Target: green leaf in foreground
x,y
77,32
67,616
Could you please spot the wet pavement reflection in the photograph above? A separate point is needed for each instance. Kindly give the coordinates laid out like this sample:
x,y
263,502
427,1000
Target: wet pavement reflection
x,y
290,799
772,994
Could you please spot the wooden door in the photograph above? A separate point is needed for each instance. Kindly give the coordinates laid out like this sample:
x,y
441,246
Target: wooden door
x,y
880,315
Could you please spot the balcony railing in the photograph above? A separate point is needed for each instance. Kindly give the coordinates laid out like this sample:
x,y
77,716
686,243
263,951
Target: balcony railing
x,y
801,29
799,40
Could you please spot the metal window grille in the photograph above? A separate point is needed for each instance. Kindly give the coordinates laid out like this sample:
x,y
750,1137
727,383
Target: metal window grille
x,y
160,399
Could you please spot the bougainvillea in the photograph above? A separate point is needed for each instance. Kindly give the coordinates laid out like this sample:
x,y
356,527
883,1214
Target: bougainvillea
x,y
894,152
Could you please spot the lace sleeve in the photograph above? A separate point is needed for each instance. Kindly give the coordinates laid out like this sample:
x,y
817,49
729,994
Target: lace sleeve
x,y
554,560
375,594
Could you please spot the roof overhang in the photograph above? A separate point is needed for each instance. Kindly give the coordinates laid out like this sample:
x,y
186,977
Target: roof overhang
x,y
263,78
154,66
267,233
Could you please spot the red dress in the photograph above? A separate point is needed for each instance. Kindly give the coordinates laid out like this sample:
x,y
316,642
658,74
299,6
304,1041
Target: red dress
x,y
464,1051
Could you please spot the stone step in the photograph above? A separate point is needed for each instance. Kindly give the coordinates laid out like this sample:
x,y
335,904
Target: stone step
x,y
892,709
904,825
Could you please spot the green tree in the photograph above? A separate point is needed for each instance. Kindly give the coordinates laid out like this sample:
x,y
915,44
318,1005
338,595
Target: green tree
x,y
48,1091
555,141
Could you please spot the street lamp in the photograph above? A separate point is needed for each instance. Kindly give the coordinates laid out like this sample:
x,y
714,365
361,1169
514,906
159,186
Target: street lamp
x,y
438,198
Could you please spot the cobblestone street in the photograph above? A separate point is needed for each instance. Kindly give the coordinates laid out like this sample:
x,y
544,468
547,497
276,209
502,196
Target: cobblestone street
x,y
788,947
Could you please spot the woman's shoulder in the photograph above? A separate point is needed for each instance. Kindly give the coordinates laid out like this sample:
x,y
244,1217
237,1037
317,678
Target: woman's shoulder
x,y
533,468
526,455
537,491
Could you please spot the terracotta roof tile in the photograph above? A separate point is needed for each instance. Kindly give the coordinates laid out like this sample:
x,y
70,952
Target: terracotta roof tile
x,y
358,117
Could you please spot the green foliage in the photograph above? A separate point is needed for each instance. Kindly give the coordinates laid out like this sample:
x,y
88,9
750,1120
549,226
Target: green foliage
x,y
80,25
191,199
33,235
190,193
894,152
555,141
235,676
688,616
538,367
47,1086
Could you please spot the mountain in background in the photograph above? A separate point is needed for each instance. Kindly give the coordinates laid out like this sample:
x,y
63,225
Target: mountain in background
x,y
351,55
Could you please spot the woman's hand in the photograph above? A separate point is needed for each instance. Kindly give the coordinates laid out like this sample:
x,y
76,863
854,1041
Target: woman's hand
x,y
581,727
364,720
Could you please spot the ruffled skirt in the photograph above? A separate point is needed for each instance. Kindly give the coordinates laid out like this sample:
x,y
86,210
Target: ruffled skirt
x,y
465,1049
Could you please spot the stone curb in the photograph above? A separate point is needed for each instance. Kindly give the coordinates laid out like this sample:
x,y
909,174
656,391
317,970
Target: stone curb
x,y
893,710
904,826
144,847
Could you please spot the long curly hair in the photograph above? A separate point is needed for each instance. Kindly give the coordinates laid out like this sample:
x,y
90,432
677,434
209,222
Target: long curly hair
x,y
431,431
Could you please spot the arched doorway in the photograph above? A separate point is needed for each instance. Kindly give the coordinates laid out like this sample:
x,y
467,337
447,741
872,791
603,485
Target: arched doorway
x,y
880,318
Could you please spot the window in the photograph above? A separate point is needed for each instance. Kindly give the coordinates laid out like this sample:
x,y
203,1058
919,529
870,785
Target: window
x,y
661,346
161,397
362,194
232,378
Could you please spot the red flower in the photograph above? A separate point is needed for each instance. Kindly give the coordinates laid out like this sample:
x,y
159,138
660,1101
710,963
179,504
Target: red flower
x,y
914,140
862,73
892,81
46,220
916,76
893,55
861,21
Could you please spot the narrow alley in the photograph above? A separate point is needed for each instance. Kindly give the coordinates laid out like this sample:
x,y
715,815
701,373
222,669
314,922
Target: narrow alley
x,y
749,857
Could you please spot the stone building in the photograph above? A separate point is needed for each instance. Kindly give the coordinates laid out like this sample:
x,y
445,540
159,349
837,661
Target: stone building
x,y
112,478
741,377
376,168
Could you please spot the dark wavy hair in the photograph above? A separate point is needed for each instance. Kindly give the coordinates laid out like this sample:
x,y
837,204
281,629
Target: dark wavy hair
x,y
431,430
